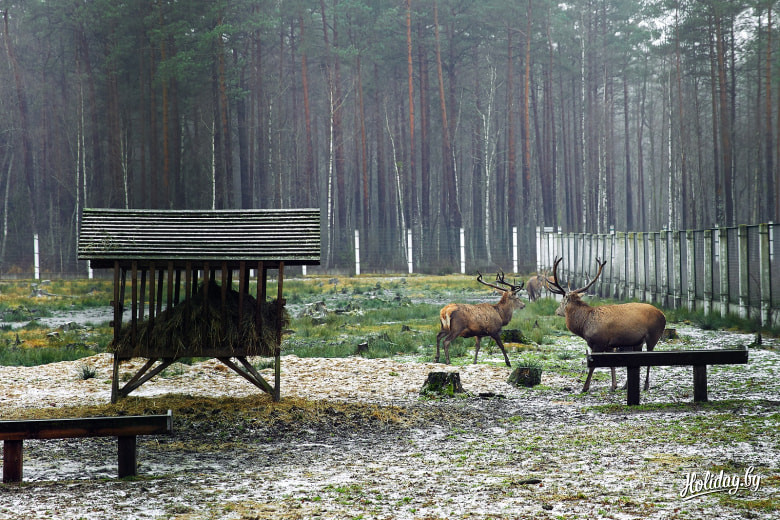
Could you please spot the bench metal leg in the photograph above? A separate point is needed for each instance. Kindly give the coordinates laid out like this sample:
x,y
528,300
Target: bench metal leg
x,y
700,383
12,461
126,448
632,385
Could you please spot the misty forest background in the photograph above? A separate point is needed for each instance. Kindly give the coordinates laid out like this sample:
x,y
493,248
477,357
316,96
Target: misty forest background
x,y
389,115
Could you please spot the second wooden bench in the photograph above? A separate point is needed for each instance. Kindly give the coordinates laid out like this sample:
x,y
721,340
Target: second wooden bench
x,y
124,428
699,359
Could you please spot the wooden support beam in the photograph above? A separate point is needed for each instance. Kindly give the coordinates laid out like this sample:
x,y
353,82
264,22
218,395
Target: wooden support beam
x,y
137,380
251,375
117,303
12,461
632,386
700,383
134,304
127,456
242,289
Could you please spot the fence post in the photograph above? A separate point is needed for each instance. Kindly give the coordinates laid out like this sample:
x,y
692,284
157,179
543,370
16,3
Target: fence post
x,y
462,252
641,267
723,238
631,264
766,279
691,266
663,267
540,257
651,275
36,257
677,271
708,264
620,252
409,261
613,272
357,252
744,271
514,251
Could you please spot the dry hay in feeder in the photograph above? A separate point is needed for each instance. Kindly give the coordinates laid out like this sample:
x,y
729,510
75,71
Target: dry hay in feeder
x,y
198,327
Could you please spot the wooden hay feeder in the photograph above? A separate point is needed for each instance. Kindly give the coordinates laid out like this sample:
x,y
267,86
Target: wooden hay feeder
x,y
182,266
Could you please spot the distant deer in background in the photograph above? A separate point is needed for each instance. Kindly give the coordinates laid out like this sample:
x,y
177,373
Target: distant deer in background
x,y
624,326
462,320
535,285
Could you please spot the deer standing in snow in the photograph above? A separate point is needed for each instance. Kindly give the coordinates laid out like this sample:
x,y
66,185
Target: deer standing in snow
x,y
624,326
462,320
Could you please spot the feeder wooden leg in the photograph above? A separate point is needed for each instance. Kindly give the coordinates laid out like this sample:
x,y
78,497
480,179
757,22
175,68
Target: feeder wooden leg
x,y
115,380
277,395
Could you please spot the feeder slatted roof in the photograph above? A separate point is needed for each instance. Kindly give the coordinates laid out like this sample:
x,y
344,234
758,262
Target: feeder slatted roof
x,y
275,235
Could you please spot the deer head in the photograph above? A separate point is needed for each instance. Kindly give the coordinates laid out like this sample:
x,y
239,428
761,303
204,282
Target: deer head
x,y
554,286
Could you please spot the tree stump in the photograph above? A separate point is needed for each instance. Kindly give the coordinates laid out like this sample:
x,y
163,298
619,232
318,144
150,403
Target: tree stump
x,y
442,383
669,334
525,376
512,336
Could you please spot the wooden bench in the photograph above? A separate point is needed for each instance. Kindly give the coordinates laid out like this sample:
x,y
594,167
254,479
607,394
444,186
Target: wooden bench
x,y
125,428
699,359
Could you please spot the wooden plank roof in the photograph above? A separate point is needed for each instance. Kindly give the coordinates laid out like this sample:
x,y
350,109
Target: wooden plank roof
x,y
276,235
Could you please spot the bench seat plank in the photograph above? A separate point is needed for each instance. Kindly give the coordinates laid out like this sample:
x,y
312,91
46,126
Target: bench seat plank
x,y
668,358
86,427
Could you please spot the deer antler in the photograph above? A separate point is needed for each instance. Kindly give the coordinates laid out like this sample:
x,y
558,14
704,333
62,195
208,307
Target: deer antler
x,y
500,279
554,286
514,288
601,267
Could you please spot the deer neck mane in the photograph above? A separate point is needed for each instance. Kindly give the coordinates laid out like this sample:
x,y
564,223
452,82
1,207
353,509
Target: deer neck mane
x,y
504,307
577,313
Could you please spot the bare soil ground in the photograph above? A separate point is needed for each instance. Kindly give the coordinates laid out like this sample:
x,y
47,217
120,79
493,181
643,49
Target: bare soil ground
x,y
352,439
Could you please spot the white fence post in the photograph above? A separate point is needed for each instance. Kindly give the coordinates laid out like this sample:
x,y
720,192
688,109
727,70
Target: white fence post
x,y
409,250
462,251
37,257
541,256
357,252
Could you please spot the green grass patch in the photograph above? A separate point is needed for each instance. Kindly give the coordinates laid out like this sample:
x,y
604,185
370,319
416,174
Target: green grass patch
x,y
20,356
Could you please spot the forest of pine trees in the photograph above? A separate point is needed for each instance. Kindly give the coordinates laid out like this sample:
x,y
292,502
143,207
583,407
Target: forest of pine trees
x,y
427,115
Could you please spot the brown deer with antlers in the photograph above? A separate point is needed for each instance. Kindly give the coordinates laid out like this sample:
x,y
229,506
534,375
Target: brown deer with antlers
x,y
462,320
624,326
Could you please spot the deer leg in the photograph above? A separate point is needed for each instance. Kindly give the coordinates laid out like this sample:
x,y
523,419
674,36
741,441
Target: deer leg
x,y
586,386
447,342
614,379
439,336
497,337
650,347
476,348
